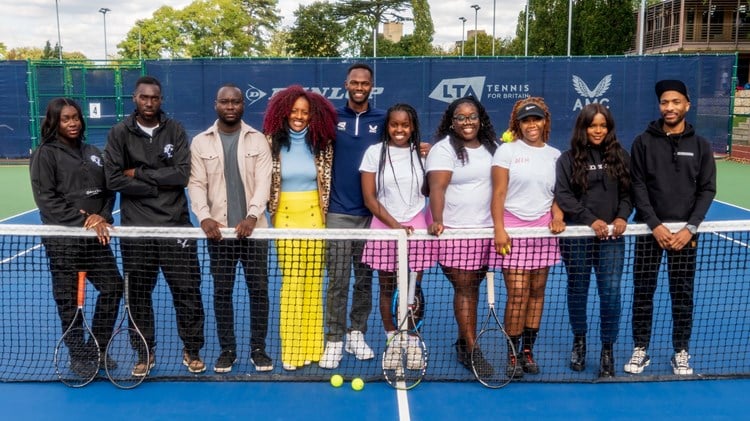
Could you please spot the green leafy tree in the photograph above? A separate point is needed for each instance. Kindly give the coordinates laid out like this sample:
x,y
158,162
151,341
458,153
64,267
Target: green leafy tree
x,y
278,45
204,28
421,42
364,16
317,32
3,50
602,27
216,28
264,19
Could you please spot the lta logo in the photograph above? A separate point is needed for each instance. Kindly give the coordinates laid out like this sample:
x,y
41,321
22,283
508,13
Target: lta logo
x,y
590,96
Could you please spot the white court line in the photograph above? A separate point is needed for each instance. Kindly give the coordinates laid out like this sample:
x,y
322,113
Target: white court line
x,y
17,255
19,215
403,406
732,205
726,237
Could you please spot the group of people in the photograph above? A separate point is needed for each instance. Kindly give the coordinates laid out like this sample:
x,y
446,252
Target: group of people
x,y
314,166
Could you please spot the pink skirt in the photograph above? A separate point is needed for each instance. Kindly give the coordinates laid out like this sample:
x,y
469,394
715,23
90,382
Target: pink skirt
x,y
527,253
464,254
382,255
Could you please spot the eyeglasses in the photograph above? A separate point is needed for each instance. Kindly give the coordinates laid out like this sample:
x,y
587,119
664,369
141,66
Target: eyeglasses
x,y
461,118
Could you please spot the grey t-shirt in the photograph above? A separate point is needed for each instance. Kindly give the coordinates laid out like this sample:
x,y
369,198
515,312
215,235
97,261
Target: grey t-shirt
x,y
236,203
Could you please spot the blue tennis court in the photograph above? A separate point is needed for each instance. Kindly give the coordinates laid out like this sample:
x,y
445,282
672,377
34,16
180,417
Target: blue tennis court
x,y
548,397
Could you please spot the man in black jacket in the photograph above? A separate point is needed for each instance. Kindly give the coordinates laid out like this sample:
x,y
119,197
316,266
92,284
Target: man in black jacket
x,y
147,160
674,180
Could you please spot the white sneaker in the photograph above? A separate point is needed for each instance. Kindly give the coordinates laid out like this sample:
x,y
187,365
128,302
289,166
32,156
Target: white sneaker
x,y
392,356
638,361
355,344
681,364
414,359
289,367
332,355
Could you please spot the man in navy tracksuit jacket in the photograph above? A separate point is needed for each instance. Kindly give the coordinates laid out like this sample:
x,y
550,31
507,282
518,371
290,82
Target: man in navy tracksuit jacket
x,y
147,160
674,180
359,126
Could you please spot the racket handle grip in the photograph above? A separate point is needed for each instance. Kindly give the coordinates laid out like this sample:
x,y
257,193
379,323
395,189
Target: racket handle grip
x,y
81,288
491,287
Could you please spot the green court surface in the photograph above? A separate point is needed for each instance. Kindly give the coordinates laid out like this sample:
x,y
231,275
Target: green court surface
x,y
15,188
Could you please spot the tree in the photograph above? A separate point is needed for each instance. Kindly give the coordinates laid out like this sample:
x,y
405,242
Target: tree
x,y
278,45
364,16
264,19
602,27
316,33
3,50
204,28
421,45
216,28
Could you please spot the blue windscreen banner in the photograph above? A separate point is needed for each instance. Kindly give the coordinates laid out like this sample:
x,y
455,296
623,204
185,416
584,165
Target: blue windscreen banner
x,y
14,110
625,84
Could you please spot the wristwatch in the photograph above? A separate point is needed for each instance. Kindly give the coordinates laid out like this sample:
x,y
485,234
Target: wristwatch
x,y
692,229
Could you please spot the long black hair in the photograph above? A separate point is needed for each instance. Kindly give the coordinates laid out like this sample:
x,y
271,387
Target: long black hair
x,y
612,151
52,118
414,140
486,133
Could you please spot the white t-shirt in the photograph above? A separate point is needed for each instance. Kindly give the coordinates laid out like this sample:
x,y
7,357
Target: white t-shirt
x,y
467,199
531,178
401,190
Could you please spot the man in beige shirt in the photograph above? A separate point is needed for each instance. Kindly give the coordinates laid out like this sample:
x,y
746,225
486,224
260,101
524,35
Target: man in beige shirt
x,y
230,181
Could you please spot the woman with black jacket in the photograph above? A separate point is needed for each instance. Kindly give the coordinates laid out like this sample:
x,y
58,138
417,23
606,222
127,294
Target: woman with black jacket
x,y
593,189
67,178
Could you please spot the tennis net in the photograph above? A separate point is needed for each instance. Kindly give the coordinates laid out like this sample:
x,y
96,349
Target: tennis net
x,y
720,330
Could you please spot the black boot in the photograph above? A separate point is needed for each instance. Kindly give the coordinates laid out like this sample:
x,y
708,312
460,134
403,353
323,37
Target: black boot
x,y
578,355
607,363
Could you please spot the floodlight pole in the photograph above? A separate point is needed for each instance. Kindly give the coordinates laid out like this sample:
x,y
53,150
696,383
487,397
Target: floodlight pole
x,y
104,11
59,39
463,33
476,14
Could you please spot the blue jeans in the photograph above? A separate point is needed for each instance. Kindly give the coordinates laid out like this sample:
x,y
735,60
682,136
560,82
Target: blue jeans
x,y
607,258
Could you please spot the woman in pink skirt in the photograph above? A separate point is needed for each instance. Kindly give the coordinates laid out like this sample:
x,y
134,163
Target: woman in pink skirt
x,y
392,179
523,182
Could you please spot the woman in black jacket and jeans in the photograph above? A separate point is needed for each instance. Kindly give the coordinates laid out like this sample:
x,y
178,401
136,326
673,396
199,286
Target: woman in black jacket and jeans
x,y
593,189
67,178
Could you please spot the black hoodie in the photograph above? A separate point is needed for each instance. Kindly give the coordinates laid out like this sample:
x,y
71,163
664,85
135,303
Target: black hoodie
x,y
156,195
66,181
673,176
604,198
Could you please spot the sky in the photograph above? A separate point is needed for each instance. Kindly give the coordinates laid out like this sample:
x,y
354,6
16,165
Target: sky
x,y
31,23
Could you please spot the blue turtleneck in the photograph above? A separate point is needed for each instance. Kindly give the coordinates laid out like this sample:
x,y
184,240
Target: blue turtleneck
x,y
298,171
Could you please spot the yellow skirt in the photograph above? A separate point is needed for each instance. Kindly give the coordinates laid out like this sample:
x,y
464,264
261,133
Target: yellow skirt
x,y
301,263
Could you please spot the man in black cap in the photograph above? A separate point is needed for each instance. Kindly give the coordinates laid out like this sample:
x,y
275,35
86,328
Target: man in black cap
x,y
674,180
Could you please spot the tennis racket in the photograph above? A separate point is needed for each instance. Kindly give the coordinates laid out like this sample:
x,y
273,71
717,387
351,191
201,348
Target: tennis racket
x,y
489,358
405,357
77,351
126,348
418,306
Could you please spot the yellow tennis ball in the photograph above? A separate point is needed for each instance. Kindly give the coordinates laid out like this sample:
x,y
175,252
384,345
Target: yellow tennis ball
x,y
337,380
507,136
358,384
505,250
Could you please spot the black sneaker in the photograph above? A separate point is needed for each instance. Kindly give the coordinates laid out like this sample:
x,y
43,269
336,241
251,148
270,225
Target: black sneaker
x,y
481,366
513,369
528,363
261,360
225,361
462,353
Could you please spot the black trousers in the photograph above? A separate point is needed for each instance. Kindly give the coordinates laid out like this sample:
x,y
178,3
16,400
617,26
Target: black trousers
x,y
178,261
681,268
252,255
68,256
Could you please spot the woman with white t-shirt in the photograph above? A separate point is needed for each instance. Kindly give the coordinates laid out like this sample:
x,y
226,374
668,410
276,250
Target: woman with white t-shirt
x,y
523,183
458,168
392,177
